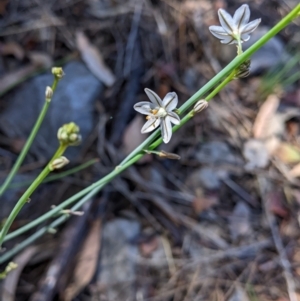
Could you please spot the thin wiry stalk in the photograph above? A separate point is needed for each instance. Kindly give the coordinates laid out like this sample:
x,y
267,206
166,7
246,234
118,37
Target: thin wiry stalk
x,y
138,152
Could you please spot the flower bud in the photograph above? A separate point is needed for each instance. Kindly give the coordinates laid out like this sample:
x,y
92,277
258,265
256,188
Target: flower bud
x,y
58,163
69,211
58,72
69,134
52,230
48,94
11,266
167,155
200,105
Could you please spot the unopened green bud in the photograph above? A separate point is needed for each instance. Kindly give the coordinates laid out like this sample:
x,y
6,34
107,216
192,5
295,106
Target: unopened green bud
x,y
58,163
52,230
11,266
69,134
48,94
58,72
200,105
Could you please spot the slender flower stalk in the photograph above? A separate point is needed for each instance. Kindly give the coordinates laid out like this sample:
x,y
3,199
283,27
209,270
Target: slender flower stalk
x,y
87,193
71,129
48,96
58,176
221,75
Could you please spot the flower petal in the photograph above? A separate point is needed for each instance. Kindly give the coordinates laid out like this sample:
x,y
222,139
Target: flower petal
x,y
226,21
170,101
150,125
245,37
144,107
250,27
154,98
241,16
228,40
218,31
174,118
166,129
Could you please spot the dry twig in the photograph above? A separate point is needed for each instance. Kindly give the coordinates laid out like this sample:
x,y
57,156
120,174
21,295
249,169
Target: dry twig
x,y
265,188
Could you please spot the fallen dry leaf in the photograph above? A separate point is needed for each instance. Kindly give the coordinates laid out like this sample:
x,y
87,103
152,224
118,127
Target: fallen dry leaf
x,y
296,260
93,59
239,221
287,153
3,5
11,79
203,203
276,205
12,48
133,137
148,247
269,125
38,60
86,263
295,171
11,281
262,127
268,266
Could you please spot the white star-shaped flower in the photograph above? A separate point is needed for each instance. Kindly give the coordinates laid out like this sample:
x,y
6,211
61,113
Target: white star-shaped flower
x,y
159,112
236,28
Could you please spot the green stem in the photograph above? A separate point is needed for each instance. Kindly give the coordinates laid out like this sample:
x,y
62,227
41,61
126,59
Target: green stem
x,y
28,241
28,143
222,74
89,191
135,155
59,175
26,196
191,114
94,187
56,210
291,79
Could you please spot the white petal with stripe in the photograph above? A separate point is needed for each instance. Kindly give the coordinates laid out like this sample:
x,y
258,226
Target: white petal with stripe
x,y
166,129
154,98
170,101
150,125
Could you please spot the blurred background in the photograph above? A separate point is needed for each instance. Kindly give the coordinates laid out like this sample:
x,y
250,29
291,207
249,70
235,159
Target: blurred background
x,y
221,223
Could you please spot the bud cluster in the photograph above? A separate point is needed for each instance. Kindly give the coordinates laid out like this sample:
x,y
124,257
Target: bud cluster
x,y
58,72
69,134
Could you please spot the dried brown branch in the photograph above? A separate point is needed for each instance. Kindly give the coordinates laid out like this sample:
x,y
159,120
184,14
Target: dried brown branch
x,y
265,188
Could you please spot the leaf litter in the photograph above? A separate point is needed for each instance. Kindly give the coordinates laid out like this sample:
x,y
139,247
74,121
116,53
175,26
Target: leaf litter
x,y
192,229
